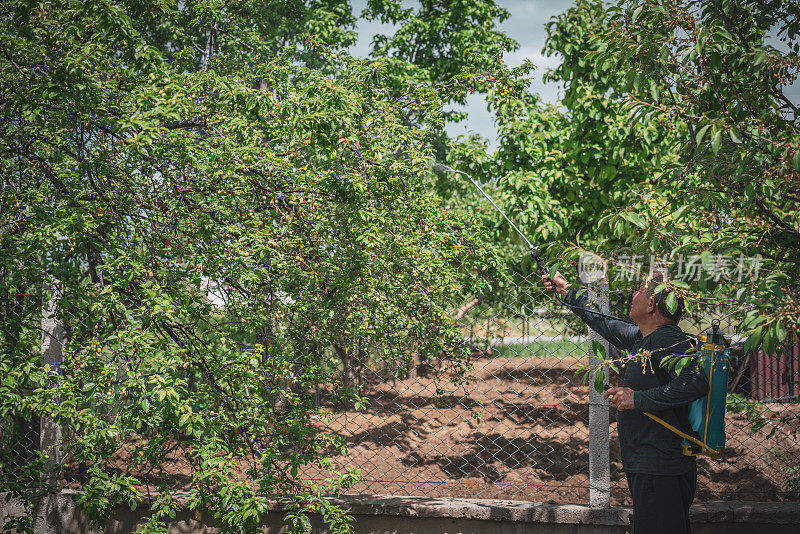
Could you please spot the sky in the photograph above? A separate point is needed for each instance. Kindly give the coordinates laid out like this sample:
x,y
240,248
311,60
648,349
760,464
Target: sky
x,y
525,25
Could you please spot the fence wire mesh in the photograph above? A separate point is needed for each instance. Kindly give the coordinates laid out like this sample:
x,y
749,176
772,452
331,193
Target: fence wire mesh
x,y
531,440
518,430
19,436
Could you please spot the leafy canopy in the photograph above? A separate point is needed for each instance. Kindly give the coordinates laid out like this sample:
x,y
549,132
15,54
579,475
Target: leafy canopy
x,y
213,197
720,68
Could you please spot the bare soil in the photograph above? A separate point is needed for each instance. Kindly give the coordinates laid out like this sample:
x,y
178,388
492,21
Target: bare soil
x,y
531,442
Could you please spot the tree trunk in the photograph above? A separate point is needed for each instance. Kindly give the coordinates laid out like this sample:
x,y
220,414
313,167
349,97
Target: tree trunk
x,y
352,366
265,338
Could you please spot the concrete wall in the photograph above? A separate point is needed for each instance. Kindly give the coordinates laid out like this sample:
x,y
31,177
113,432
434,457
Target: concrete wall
x,y
376,514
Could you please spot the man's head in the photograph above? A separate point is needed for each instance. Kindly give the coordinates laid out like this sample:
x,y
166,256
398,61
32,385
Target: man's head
x,y
649,307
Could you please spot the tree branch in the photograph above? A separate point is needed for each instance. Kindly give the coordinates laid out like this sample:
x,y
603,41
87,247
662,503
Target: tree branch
x,y
778,258
774,218
468,306
210,46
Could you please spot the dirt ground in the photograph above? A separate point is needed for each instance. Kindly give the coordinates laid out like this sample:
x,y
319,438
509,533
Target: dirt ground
x,y
531,442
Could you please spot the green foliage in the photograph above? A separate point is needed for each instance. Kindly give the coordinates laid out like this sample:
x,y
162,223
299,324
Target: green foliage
x,y
564,167
599,349
221,200
599,380
757,414
443,41
712,67
21,477
456,46
599,370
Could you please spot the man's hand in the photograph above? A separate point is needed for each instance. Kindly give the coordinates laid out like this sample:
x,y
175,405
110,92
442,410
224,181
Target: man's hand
x,y
560,282
621,397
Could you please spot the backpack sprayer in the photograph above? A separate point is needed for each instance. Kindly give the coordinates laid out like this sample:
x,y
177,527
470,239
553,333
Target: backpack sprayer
x,y
707,414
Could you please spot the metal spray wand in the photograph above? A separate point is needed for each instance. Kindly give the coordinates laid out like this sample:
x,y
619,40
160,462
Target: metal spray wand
x,y
536,254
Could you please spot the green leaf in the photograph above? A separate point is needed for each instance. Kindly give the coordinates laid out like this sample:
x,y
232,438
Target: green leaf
x,y
753,341
678,213
716,141
599,349
707,261
759,58
635,218
636,13
584,372
599,380
780,331
768,341
796,160
671,302
637,81
701,134
735,136
669,361
681,364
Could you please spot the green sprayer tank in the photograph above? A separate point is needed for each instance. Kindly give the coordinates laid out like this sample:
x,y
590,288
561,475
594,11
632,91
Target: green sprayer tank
x,y
707,415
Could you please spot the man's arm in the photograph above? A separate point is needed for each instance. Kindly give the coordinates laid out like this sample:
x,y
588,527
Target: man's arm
x,y
617,332
681,390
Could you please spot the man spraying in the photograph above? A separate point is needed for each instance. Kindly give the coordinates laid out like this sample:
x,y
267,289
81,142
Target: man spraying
x,y
661,479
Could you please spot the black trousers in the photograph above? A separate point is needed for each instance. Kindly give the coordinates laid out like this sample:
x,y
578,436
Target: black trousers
x,y
661,502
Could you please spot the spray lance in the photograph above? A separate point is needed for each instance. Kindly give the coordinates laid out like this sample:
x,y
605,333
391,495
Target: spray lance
x,y
535,252
707,414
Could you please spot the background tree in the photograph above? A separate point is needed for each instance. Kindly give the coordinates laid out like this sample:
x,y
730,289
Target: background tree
x,y
216,211
454,44
560,167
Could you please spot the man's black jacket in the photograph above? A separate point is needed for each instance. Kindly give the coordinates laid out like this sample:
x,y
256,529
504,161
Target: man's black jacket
x,y
647,446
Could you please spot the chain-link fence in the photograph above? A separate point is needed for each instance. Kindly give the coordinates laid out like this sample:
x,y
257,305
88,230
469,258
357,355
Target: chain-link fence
x,y
520,430
517,430
20,438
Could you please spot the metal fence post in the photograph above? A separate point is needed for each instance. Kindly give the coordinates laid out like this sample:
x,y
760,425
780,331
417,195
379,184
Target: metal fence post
x,y
599,471
53,355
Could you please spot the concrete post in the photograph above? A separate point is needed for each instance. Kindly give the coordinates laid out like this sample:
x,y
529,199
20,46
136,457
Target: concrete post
x,y
52,355
599,476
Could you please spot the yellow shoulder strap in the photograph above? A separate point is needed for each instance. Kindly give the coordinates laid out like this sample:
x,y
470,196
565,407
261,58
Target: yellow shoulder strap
x,y
708,450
